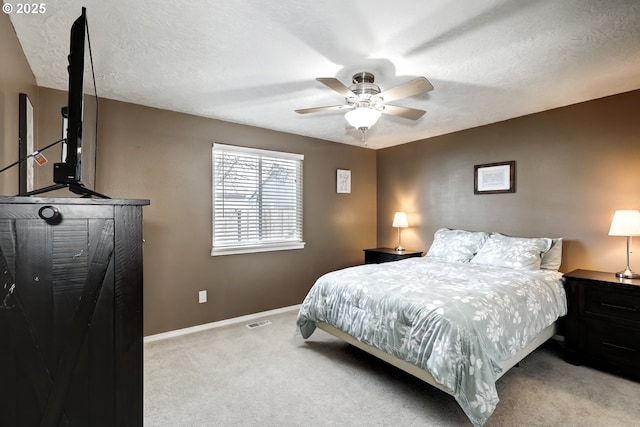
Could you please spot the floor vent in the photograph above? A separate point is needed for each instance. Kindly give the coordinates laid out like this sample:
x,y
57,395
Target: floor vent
x,y
258,324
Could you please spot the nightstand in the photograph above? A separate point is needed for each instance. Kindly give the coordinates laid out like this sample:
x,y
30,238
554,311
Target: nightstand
x,y
603,321
379,255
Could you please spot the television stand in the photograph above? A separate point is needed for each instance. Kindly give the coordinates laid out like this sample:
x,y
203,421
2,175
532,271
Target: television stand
x,y
74,187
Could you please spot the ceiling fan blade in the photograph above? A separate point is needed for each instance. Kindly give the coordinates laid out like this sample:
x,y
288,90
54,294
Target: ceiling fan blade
x,y
405,90
404,112
319,109
336,85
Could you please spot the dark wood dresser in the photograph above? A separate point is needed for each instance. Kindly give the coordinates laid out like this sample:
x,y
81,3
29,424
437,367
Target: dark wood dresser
x,y
603,323
71,312
379,255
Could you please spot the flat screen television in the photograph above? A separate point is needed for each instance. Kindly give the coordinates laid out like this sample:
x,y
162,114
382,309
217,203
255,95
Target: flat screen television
x,y
77,168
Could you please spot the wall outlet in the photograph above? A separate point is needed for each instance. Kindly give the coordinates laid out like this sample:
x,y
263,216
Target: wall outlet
x,y
202,297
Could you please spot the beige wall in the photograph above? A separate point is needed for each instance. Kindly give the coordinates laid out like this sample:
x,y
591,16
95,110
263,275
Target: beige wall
x,y
15,78
575,166
164,156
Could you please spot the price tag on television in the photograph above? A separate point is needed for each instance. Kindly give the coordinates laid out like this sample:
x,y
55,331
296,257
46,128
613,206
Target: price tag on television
x,y
40,158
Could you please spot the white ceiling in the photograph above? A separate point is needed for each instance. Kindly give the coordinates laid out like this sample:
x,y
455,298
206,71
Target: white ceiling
x,y
254,62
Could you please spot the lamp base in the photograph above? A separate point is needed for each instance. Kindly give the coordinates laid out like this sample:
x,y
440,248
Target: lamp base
x,y
627,274
399,248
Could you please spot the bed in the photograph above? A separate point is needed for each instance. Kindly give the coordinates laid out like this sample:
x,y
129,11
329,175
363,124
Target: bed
x,y
458,318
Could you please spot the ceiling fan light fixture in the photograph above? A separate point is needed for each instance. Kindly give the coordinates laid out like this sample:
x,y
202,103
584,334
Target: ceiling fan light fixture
x,y
367,102
362,118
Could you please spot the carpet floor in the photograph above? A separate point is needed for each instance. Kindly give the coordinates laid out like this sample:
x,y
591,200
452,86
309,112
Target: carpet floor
x,y
267,376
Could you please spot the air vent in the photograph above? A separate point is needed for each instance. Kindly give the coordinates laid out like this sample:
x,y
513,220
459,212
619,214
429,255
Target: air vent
x,y
258,324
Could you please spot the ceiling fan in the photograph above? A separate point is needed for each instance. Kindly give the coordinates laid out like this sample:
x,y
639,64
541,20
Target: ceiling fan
x,y
365,100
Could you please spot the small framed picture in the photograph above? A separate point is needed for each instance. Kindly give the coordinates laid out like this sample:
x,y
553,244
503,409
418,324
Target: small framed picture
x,y
343,181
492,178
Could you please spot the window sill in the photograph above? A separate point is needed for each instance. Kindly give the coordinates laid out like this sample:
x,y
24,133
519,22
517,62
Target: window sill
x,y
234,250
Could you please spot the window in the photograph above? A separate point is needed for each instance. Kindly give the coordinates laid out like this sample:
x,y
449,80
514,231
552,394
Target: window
x,y
257,200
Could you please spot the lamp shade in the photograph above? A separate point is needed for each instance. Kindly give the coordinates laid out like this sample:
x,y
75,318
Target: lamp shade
x,y
400,220
362,117
625,223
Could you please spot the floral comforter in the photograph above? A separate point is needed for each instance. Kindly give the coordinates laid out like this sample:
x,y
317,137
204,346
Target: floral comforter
x,y
457,321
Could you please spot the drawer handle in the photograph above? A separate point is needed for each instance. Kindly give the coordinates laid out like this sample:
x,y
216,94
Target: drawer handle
x,y
621,307
620,347
50,214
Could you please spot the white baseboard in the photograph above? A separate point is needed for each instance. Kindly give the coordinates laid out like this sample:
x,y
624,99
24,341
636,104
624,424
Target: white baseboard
x,y
218,324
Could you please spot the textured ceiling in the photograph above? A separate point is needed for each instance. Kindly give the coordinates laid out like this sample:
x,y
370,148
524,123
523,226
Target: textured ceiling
x,y
255,62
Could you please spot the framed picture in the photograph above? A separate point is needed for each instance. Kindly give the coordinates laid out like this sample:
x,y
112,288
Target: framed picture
x,y
492,178
26,169
343,181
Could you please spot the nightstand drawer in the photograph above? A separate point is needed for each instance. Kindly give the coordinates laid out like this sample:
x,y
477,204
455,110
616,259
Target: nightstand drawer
x,y
612,303
616,344
379,255
602,326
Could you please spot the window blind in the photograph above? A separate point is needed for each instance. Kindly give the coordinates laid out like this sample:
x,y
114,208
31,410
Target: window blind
x,y
257,200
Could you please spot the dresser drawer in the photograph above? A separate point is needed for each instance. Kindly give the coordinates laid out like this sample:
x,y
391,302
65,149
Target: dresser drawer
x,y
612,303
611,343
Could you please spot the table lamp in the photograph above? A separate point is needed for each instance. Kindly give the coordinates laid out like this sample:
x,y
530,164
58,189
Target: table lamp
x,y
626,223
400,221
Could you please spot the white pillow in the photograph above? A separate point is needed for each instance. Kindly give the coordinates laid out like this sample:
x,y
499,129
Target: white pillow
x,y
456,245
552,259
518,253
